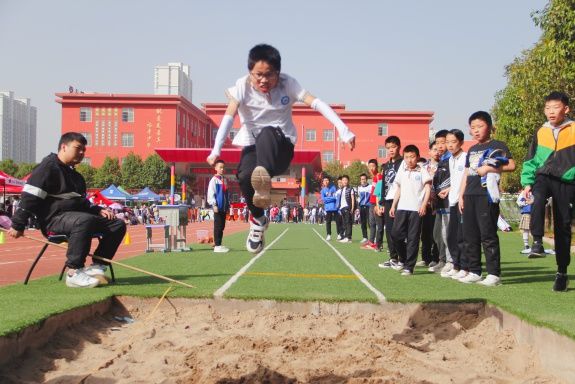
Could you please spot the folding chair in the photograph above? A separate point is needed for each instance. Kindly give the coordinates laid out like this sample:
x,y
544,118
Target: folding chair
x,y
58,239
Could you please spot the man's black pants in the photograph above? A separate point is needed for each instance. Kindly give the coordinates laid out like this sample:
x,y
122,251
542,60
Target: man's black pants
x,y
219,226
405,233
363,218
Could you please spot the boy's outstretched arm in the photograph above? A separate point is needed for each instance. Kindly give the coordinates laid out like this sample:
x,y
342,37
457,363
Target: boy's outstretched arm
x,y
223,131
344,133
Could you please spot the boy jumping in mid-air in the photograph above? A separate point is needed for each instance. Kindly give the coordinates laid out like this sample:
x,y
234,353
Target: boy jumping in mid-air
x,y
264,99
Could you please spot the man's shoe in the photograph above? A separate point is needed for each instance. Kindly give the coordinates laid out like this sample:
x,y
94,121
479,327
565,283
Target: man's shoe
x,y
363,241
398,266
537,250
262,184
339,237
490,281
328,237
221,249
561,282
471,278
345,240
421,263
255,241
459,275
81,280
406,272
97,271
368,245
449,274
446,268
437,267
526,251
388,264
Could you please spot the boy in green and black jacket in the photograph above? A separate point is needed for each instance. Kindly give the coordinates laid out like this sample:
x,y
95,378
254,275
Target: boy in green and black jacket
x,y
549,171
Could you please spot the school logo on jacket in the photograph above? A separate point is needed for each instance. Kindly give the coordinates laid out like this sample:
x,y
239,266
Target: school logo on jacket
x,y
285,100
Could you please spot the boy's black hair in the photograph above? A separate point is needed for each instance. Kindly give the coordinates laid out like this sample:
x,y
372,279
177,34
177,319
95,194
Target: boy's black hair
x,y
482,115
267,54
411,149
458,133
431,144
393,140
68,137
339,178
345,177
558,96
363,174
441,133
373,161
219,161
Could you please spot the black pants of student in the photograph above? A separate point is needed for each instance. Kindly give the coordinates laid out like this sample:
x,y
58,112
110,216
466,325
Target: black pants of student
x,y
339,224
379,226
273,151
79,227
329,217
219,226
405,234
346,223
429,251
455,241
388,223
563,195
480,218
364,218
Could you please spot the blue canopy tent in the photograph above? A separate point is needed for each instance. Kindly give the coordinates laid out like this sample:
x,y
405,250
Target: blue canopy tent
x,y
113,193
147,194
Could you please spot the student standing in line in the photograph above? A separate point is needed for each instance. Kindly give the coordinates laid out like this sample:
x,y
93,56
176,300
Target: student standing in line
x,y
480,213
364,195
218,197
347,209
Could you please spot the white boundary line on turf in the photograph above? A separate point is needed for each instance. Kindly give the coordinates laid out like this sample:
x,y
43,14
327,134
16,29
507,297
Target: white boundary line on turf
x,y
380,296
220,292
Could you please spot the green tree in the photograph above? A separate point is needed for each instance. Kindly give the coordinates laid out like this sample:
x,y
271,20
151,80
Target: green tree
x,y
108,173
155,173
333,170
9,166
24,169
89,174
132,172
354,170
548,66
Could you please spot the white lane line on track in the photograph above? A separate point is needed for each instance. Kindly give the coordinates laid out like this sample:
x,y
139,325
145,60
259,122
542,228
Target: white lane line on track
x,y
380,297
220,292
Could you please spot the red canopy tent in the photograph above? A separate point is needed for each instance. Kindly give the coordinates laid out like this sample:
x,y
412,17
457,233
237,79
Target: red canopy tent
x,y
10,185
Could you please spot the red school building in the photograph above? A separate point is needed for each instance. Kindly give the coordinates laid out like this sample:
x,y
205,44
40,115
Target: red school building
x,y
117,124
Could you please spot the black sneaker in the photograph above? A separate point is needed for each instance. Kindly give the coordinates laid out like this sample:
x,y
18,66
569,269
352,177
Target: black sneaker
x,y
537,250
561,282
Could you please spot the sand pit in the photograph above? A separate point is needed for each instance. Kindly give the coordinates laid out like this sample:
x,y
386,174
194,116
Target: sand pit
x,y
188,341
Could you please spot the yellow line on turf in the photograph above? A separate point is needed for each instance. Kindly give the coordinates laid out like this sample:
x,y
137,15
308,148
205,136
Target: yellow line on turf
x,y
301,275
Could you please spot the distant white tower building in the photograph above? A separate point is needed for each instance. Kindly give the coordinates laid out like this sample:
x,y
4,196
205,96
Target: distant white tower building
x,y
17,129
173,79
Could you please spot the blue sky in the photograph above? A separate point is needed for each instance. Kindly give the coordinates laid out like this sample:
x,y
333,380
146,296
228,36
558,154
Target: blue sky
x,y
446,56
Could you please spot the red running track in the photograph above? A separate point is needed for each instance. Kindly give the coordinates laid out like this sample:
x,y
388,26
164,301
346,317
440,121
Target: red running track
x,y
16,255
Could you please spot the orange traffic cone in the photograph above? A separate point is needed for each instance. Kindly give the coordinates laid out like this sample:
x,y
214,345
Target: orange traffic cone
x,y
127,240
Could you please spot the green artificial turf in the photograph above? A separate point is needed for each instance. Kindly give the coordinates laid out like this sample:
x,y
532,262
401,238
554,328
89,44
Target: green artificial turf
x,y
301,266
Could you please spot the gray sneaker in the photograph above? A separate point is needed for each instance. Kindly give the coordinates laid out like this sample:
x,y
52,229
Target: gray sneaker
x,y
437,267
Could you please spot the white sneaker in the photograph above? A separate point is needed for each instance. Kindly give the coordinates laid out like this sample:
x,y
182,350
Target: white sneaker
x,y
345,240
339,237
406,272
398,266
420,263
437,267
262,184
255,241
221,249
95,270
459,275
363,241
449,274
471,278
526,251
447,267
81,280
490,281
328,238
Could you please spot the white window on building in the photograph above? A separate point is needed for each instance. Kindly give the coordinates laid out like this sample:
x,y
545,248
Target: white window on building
x,y
310,135
115,133
327,157
86,114
88,137
96,132
328,135
127,115
127,139
382,130
87,161
381,152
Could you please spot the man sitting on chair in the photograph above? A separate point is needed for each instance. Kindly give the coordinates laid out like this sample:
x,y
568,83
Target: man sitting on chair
x,y
56,194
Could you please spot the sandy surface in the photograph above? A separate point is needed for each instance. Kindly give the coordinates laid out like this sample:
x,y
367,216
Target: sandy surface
x,y
226,342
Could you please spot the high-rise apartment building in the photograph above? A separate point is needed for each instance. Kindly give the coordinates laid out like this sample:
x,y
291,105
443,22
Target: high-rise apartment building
x,y
173,79
18,129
